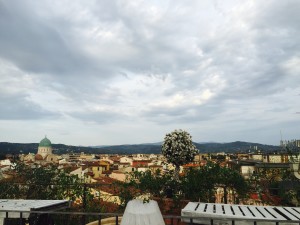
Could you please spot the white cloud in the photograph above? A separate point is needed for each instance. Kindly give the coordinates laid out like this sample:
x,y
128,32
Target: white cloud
x,y
231,67
292,66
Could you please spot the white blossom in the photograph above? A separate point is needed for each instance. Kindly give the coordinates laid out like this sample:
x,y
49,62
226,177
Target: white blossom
x,y
178,147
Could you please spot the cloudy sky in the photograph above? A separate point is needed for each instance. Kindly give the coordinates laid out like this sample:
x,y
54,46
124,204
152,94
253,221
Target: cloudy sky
x,y
122,72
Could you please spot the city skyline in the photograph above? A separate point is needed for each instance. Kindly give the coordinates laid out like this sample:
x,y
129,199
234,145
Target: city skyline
x,y
128,72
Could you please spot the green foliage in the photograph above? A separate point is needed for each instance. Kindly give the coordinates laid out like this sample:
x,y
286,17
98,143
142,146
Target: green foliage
x,y
153,183
2,156
289,189
40,183
194,185
201,184
126,192
144,185
290,197
277,185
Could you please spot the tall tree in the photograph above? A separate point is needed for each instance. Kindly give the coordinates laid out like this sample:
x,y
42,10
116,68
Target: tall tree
x,y
202,183
178,148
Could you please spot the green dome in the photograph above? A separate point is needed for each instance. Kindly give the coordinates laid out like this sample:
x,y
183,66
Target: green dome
x,y
45,143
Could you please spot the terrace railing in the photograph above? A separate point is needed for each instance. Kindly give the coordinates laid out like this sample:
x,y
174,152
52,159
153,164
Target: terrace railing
x,y
75,218
83,217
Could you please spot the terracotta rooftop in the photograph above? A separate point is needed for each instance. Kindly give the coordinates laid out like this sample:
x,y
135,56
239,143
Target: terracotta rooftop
x,y
38,157
105,180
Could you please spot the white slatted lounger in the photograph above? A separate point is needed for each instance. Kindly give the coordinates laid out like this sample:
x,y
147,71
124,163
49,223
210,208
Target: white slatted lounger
x,y
219,209
242,214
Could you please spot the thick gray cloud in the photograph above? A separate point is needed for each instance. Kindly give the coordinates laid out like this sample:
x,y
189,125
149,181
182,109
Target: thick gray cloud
x,y
19,108
223,70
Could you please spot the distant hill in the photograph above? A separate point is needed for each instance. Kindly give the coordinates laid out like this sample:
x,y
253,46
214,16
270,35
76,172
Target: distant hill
x,y
237,146
155,148
16,148
133,149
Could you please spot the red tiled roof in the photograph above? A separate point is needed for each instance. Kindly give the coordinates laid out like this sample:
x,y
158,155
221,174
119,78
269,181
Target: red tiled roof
x,y
105,180
3,166
190,165
71,169
106,172
118,171
90,174
141,160
115,159
38,157
91,163
155,166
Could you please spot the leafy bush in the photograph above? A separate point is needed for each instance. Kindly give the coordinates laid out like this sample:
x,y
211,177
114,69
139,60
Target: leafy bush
x,y
40,183
195,184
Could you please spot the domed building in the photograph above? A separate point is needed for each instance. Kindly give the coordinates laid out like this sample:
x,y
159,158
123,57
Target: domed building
x,y
45,148
44,154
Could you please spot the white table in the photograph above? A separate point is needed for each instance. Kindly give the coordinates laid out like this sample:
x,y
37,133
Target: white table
x,y
139,213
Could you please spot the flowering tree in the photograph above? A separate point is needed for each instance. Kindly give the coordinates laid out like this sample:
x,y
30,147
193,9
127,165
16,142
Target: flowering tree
x,y
179,149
